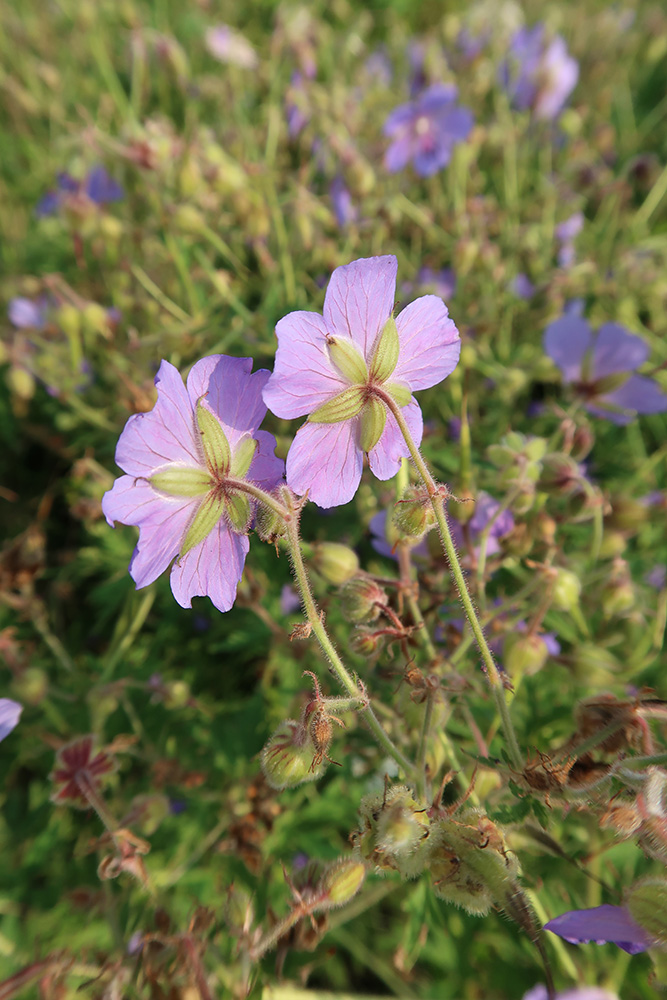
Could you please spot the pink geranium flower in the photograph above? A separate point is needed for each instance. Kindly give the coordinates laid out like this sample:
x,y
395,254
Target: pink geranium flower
x,y
336,367
186,463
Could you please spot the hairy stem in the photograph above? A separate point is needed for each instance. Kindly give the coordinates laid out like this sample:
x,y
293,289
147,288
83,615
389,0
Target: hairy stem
x,y
437,502
337,666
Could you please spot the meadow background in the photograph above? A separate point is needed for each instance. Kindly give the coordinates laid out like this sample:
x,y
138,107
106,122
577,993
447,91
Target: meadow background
x,y
236,178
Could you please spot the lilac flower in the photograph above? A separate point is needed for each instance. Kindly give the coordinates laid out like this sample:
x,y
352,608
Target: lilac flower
x,y
578,993
600,366
344,208
289,600
486,509
25,314
185,463
426,130
523,286
230,46
566,234
604,924
338,366
378,68
657,577
10,713
538,74
97,187
441,283
296,106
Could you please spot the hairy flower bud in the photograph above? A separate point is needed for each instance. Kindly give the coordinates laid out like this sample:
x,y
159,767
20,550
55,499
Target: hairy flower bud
x,y
413,514
287,758
567,589
394,831
362,600
336,563
524,655
340,882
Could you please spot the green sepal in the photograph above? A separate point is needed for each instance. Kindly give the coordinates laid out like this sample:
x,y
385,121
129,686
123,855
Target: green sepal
x,y
238,512
181,481
243,456
373,419
385,355
210,511
347,404
399,393
214,441
347,359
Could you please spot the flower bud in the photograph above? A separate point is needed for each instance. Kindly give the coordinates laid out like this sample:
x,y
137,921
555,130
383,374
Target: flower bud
x,y
269,525
68,318
362,600
394,831
287,758
617,598
177,694
567,589
524,655
560,476
340,882
594,664
31,686
95,318
20,382
336,563
627,514
413,514
366,642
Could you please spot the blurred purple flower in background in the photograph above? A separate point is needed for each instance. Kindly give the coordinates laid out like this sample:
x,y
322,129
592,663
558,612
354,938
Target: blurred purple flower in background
x,y
657,576
378,68
538,74
578,993
230,46
97,187
566,233
179,459
486,509
599,366
296,110
26,314
523,287
442,283
10,713
426,130
604,924
344,208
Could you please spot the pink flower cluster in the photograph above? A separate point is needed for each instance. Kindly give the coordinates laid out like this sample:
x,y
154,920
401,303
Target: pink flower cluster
x,y
195,463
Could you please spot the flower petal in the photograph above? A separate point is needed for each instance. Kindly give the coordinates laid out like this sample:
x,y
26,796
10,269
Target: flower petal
x,y
165,434
616,350
360,299
266,469
326,460
162,522
303,377
429,343
211,569
10,713
601,924
385,458
638,395
231,392
566,341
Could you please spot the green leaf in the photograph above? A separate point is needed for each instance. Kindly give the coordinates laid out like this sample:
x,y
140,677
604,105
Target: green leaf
x,y
373,420
398,392
385,355
238,512
214,441
181,481
210,511
244,452
347,359
344,406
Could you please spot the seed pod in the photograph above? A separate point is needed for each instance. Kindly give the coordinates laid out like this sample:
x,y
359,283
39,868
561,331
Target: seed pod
x,y
336,563
340,882
362,600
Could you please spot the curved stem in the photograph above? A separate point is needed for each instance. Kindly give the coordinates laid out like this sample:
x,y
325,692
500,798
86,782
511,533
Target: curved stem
x,y
437,502
338,668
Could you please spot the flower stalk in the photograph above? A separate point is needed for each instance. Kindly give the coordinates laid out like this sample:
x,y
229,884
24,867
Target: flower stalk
x,y
437,498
